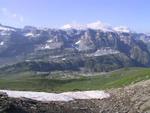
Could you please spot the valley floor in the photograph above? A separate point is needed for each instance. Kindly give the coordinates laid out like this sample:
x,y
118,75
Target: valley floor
x,y
62,82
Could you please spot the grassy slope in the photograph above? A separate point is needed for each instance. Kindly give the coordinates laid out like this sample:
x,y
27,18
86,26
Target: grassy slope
x,y
29,81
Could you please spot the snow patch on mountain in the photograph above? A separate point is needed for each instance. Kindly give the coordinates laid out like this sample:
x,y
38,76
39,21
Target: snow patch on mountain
x,y
52,45
78,42
49,41
30,34
47,47
1,43
103,51
66,96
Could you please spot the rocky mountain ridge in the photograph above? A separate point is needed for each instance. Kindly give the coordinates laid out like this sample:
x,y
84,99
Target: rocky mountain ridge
x,y
86,46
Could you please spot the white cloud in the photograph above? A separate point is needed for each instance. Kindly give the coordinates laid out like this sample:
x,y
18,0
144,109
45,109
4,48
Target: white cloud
x,y
11,15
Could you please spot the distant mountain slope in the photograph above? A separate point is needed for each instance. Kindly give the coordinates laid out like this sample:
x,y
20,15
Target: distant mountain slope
x,y
93,48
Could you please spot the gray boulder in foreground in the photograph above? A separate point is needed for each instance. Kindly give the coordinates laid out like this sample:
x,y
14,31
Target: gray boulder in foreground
x,y
132,99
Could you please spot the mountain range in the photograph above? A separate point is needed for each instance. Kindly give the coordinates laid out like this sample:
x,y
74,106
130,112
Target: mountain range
x,y
90,47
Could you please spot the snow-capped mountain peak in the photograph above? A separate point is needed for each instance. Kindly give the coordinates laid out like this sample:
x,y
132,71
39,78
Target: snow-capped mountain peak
x,y
74,26
98,25
122,29
95,25
31,34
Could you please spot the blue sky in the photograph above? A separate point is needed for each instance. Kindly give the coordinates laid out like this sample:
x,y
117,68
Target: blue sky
x,y
55,13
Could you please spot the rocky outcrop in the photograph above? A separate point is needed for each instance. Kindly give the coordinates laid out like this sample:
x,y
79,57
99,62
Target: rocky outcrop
x,y
131,99
4,102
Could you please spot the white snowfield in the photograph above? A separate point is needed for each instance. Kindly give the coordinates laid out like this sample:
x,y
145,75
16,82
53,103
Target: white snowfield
x,y
66,96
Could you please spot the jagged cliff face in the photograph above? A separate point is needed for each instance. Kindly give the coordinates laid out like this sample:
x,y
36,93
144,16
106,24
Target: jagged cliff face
x,y
131,99
87,46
